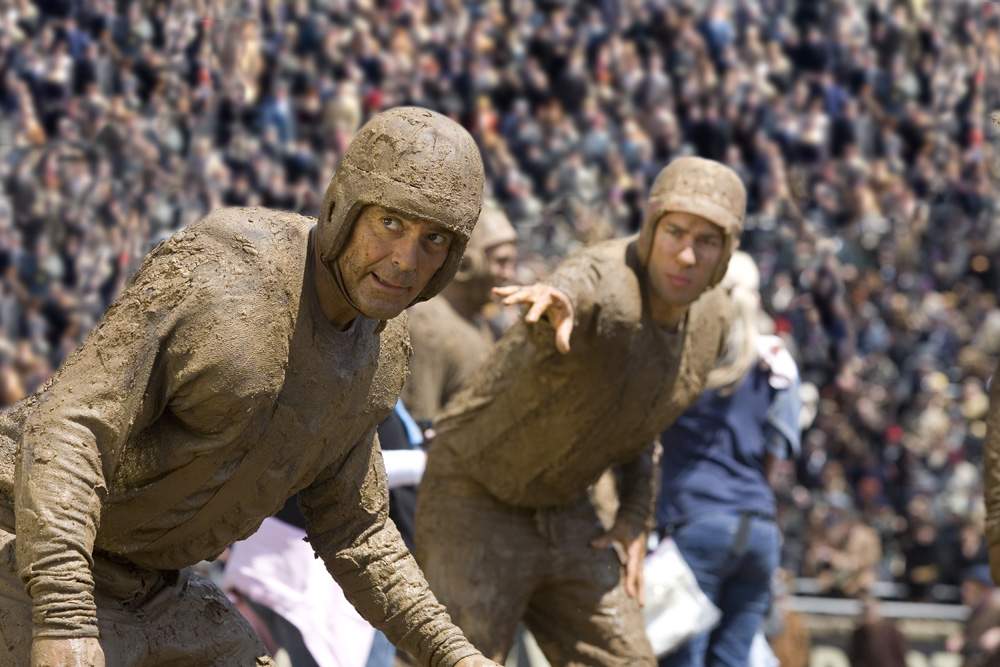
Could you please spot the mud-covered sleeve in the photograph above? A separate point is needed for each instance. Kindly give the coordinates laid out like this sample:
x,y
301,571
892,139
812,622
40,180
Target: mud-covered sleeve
x,y
71,444
579,277
991,464
461,365
346,512
639,486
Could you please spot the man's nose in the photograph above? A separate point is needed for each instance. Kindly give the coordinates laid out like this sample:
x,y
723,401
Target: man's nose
x,y
687,256
405,253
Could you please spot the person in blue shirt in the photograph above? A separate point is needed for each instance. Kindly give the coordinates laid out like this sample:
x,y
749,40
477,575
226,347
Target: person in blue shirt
x,y
715,501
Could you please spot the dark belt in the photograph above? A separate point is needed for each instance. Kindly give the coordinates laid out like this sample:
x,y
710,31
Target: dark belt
x,y
672,527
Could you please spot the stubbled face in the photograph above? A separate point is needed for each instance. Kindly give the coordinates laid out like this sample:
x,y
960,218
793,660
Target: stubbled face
x,y
686,250
502,260
389,259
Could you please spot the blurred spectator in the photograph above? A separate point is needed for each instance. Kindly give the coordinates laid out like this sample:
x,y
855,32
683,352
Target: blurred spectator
x,y
979,643
924,554
786,628
842,554
876,641
715,499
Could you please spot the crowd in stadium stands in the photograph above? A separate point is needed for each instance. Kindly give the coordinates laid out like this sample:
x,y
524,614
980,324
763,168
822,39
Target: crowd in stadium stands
x,y
860,127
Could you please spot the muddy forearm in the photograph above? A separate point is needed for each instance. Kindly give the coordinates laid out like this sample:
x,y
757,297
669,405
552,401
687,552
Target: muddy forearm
x,y
57,513
348,525
639,487
71,442
991,465
388,589
578,279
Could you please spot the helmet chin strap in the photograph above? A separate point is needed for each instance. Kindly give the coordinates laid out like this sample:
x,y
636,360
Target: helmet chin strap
x,y
338,278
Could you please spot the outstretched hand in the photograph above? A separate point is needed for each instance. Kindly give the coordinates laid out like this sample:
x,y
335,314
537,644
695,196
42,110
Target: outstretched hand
x,y
543,300
630,545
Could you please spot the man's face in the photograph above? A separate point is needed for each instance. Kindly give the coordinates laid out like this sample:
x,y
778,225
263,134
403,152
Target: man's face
x,y
502,259
389,259
686,250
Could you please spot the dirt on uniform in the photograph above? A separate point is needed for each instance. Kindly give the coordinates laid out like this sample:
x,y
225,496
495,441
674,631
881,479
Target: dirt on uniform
x,y
601,405
450,337
528,436
212,390
447,351
518,448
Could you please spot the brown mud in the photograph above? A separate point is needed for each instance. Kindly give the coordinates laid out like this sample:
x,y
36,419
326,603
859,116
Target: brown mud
x,y
414,161
518,448
449,337
535,566
537,428
447,350
211,391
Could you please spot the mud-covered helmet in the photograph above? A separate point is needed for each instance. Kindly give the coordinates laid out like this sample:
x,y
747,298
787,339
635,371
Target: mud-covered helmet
x,y
701,187
413,161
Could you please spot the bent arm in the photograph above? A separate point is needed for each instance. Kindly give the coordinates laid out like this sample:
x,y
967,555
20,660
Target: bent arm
x,y
564,300
639,486
346,512
578,278
70,448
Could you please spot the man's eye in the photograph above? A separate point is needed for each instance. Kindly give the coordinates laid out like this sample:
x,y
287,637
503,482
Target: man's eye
x,y
437,239
392,223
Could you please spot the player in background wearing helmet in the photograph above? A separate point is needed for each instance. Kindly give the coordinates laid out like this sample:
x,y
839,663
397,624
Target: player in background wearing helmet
x,y
251,359
638,329
450,337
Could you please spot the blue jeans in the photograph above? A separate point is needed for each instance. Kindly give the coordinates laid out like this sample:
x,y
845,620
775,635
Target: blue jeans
x,y
734,571
383,653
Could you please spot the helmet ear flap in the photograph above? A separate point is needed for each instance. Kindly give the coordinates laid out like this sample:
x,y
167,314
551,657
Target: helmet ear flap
x,y
729,247
334,228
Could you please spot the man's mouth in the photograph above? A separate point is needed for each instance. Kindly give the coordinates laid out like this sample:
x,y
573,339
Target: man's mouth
x,y
678,281
385,284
